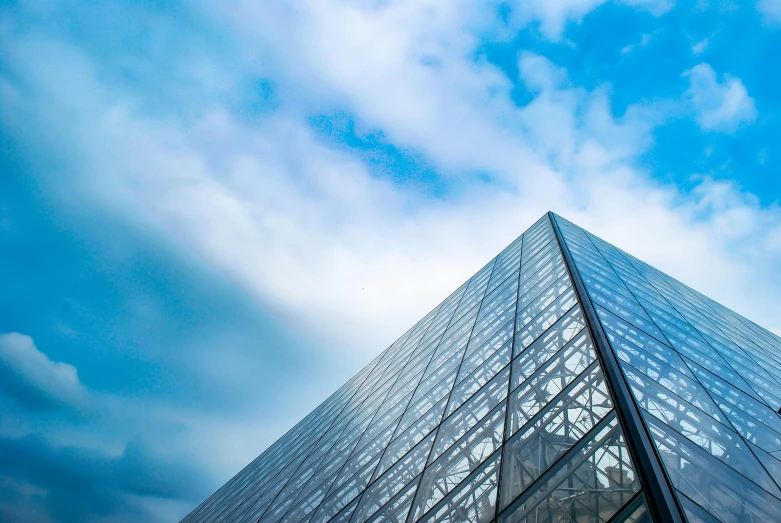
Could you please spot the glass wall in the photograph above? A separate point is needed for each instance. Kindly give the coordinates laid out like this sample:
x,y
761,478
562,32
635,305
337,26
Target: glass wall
x,y
494,407
707,382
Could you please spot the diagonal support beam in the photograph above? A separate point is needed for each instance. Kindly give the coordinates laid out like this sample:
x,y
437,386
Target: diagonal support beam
x,y
658,491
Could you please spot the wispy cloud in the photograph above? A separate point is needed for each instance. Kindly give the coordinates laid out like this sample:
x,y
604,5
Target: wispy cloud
x,y
73,474
34,380
553,15
719,106
700,46
770,9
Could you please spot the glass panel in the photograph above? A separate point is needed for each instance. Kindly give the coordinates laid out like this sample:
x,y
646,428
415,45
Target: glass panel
x,y
717,440
709,483
636,511
624,335
494,335
473,501
479,357
531,331
536,305
535,392
396,510
753,419
419,430
694,512
771,464
460,460
471,412
531,288
590,483
490,339
437,396
343,516
308,503
442,379
365,455
394,480
559,427
343,495
546,346
464,390
666,385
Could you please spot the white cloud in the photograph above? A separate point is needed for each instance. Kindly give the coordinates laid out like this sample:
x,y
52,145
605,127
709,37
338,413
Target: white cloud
x,y
719,106
553,15
34,379
308,229
770,9
538,73
311,232
644,41
699,47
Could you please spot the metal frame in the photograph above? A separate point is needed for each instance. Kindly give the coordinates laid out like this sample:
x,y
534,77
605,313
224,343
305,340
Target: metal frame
x,y
658,491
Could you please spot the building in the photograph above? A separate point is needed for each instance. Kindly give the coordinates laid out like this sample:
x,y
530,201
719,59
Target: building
x,y
565,381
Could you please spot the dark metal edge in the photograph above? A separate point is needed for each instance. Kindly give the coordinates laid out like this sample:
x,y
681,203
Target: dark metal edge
x,y
658,491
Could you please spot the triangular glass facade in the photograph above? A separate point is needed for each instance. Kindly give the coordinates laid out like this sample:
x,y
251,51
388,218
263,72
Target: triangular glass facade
x,y
565,381
706,380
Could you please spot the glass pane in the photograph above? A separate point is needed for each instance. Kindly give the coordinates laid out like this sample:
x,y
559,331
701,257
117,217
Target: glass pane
x,y
394,480
472,383
531,331
590,483
694,512
473,501
396,510
419,430
536,391
546,346
347,492
460,460
552,433
709,483
480,356
471,412
636,511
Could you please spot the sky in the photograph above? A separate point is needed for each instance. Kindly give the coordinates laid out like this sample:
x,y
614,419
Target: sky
x,y
213,214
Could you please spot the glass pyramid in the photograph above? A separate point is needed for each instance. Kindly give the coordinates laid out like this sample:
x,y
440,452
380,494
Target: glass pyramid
x,y
565,381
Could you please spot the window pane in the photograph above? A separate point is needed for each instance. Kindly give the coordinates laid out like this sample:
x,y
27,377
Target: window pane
x,y
591,483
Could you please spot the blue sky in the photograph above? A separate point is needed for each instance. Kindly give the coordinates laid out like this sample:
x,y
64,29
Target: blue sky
x,y
213,214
